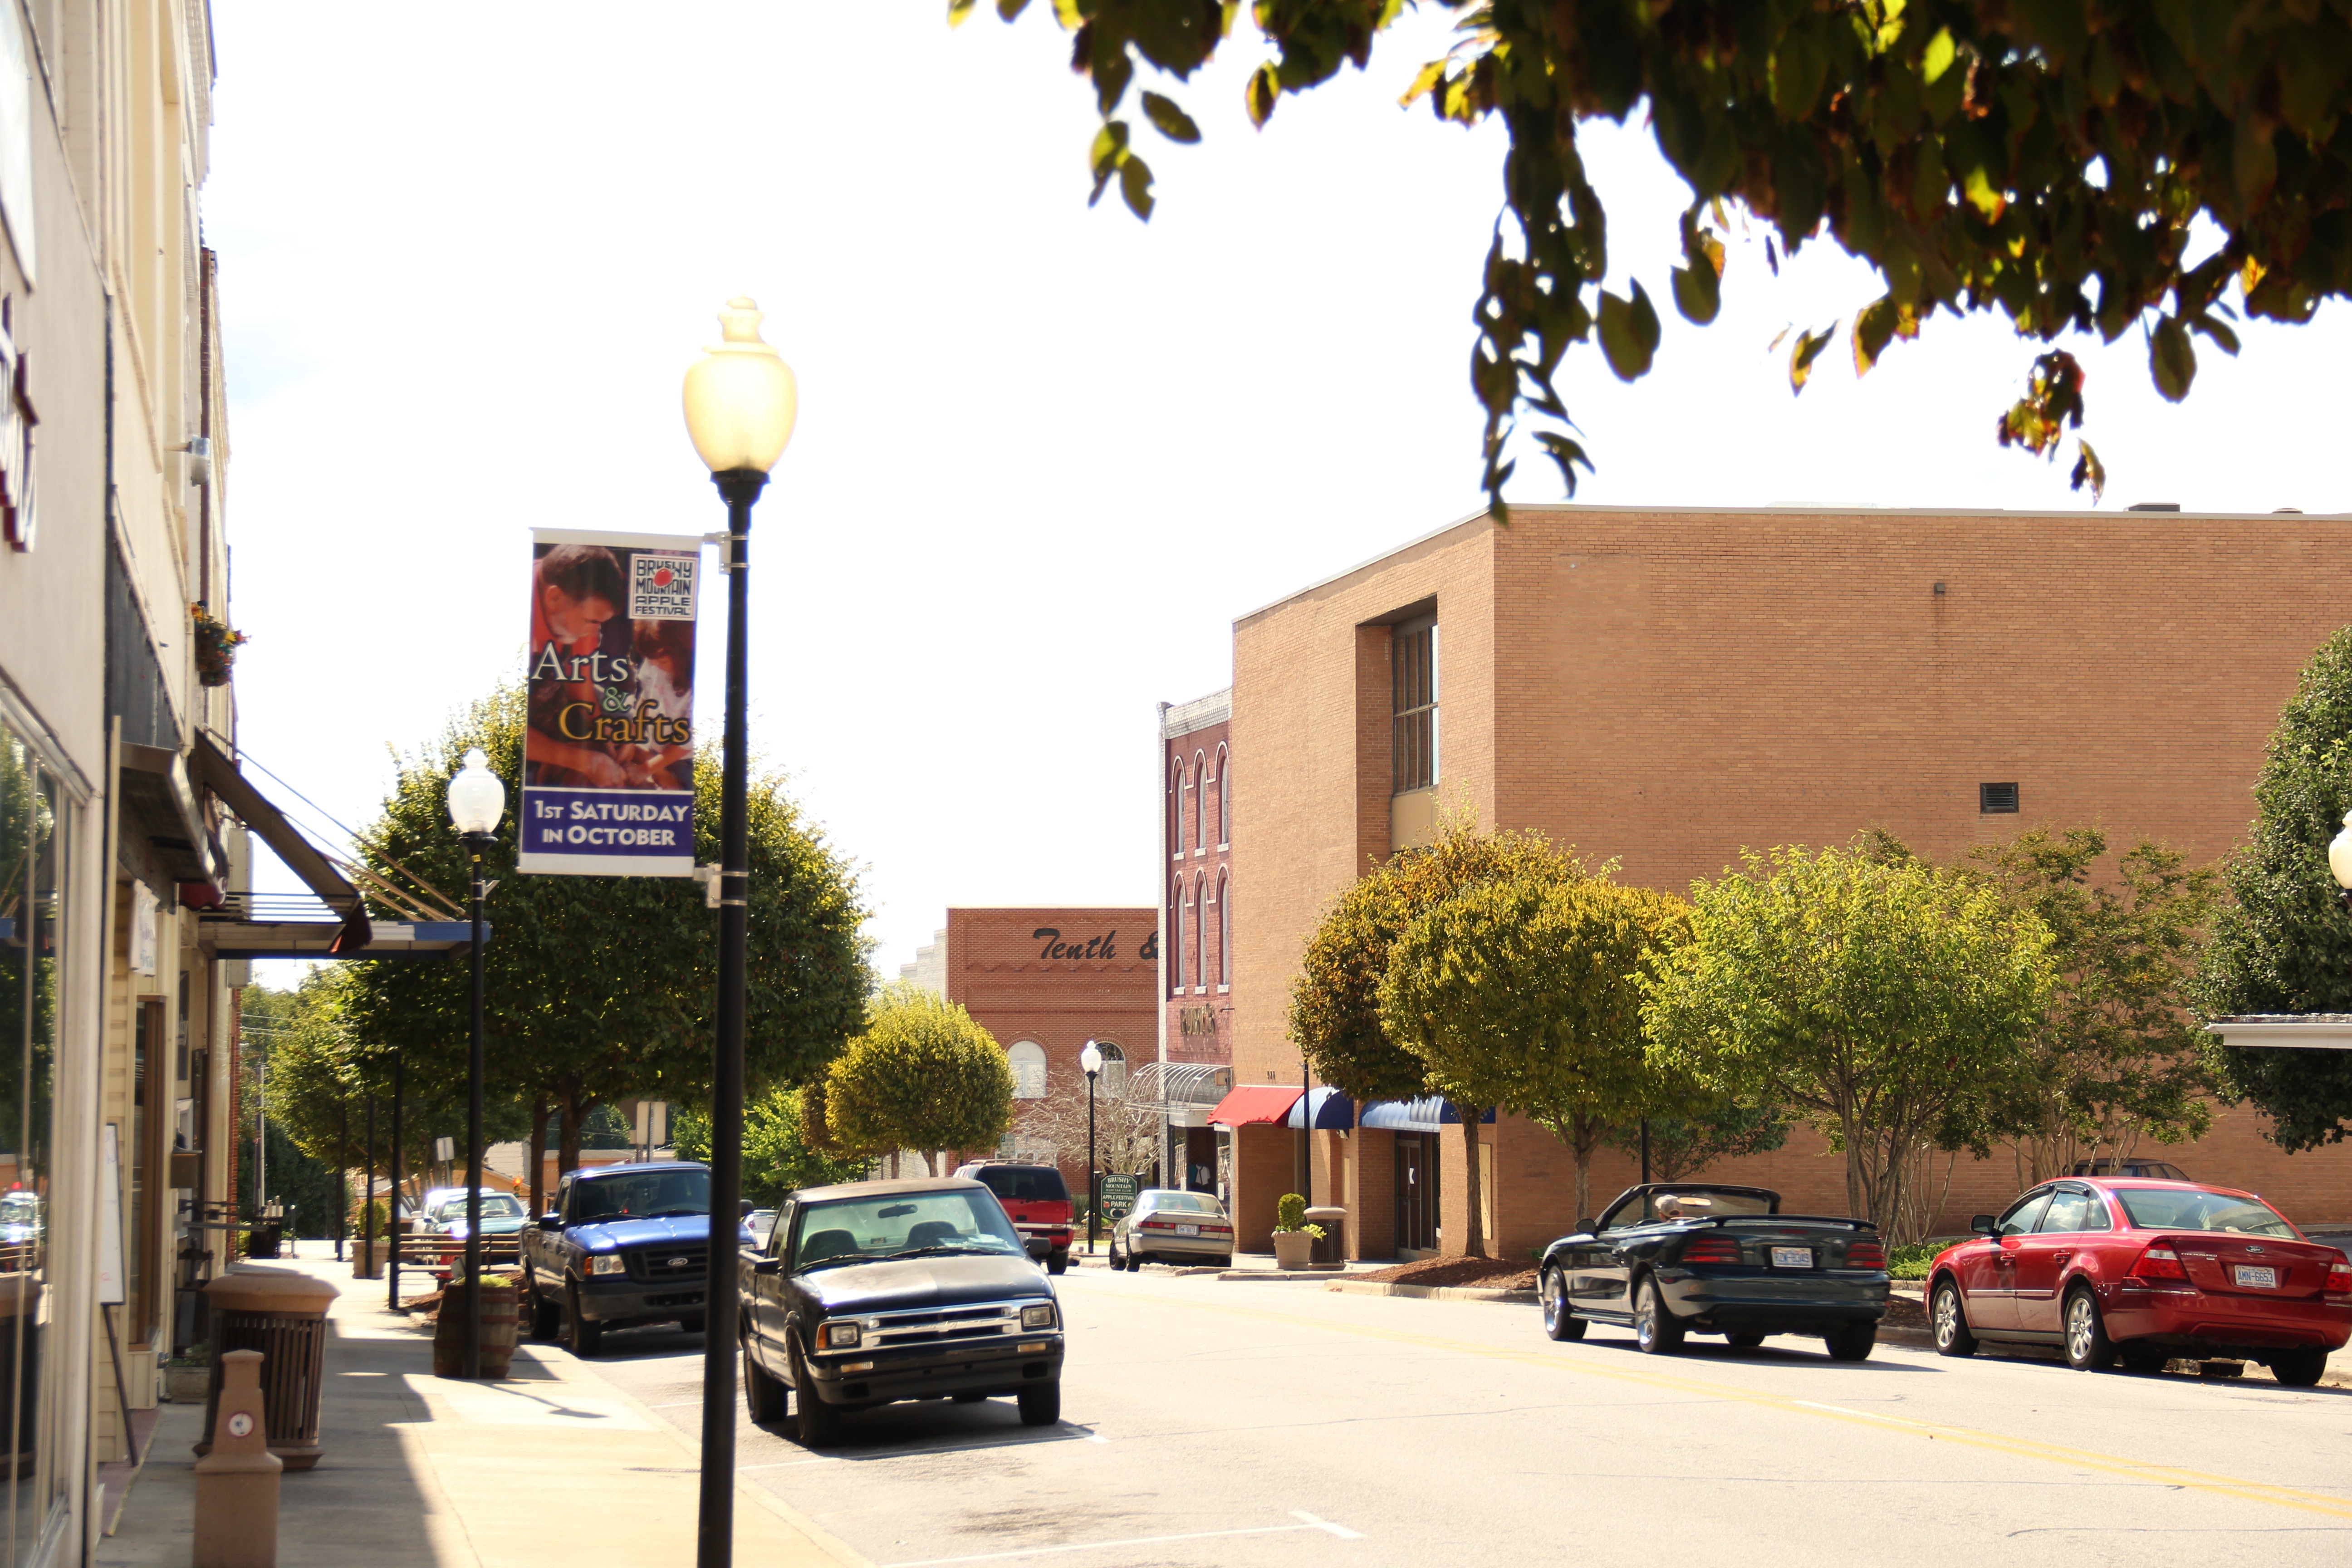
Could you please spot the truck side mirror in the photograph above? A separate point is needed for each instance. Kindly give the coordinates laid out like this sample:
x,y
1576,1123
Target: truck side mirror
x,y
766,1265
744,1205
551,1221
1985,1224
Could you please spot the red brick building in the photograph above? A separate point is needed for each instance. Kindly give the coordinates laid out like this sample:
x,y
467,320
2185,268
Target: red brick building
x,y
1669,686
1045,982
1196,933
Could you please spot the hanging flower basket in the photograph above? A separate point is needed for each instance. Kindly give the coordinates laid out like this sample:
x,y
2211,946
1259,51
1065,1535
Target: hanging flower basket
x,y
216,647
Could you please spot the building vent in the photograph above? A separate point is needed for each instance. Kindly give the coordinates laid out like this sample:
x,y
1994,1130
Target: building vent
x,y
2154,506
1996,797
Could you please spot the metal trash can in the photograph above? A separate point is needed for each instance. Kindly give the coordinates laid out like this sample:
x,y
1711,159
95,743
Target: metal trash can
x,y
284,1317
1332,1250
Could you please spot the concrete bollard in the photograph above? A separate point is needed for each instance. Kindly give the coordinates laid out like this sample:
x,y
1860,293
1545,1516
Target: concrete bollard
x,y
237,1483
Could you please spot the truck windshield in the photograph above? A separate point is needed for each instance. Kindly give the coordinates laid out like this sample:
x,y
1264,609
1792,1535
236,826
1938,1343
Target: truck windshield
x,y
495,1205
645,1195
853,1230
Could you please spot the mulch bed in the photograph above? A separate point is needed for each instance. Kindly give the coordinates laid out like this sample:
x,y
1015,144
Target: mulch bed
x,y
1905,1313
1477,1273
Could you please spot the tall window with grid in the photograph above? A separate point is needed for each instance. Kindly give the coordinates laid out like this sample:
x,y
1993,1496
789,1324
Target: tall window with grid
x,y
1413,661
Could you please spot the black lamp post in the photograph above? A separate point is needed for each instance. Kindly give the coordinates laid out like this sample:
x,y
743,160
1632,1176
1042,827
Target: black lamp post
x,y
391,1197
1090,1062
740,404
477,801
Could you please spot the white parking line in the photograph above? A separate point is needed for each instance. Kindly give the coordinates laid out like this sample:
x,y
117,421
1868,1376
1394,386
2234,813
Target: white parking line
x,y
1311,1523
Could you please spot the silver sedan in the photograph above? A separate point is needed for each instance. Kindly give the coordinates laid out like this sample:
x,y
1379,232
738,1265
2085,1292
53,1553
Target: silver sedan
x,y
1172,1227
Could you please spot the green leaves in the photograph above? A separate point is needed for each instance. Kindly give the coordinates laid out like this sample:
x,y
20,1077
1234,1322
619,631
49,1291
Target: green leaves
x,y
1808,349
1111,156
1168,120
1629,333
2170,358
1698,282
1875,326
925,1075
2052,400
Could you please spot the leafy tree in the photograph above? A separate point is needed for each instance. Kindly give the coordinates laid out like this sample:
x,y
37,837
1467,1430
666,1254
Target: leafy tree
x,y
601,988
2070,166
1522,992
2286,945
1684,1145
1335,1010
2116,1057
924,1076
778,1157
1893,1003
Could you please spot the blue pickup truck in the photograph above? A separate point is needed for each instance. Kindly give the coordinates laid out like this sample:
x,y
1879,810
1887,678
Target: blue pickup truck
x,y
624,1244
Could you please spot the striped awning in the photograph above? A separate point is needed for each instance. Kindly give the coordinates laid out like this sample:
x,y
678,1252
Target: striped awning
x,y
1427,1114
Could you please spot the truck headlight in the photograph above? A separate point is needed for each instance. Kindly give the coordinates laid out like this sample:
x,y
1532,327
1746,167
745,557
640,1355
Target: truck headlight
x,y
1038,1317
837,1337
606,1263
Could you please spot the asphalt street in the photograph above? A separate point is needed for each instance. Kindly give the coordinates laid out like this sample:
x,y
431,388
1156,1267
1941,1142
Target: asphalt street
x,y
1247,1423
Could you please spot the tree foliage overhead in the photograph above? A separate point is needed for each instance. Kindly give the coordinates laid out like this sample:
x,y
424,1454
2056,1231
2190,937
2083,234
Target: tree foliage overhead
x,y
1891,1003
1523,994
779,1157
1682,1146
2285,944
2070,167
924,1076
602,988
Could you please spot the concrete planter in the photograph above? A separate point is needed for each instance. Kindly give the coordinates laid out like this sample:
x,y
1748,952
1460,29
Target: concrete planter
x,y
187,1384
1292,1248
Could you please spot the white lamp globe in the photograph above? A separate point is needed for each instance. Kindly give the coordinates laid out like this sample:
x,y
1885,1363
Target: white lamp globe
x,y
476,798
1090,1061
2339,854
740,398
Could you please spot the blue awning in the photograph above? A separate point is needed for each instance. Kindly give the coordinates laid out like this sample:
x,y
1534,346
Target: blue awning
x,y
1427,1114
1334,1111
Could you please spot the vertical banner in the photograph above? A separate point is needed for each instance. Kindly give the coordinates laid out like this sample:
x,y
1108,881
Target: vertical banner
x,y
608,760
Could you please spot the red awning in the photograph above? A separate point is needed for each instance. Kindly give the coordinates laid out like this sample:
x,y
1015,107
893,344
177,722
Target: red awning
x,y
1253,1104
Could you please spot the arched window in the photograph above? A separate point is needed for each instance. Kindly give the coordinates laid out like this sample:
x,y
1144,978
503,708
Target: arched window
x,y
1200,933
1224,931
1225,799
1113,1081
1201,801
1027,1059
1176,937
1176,808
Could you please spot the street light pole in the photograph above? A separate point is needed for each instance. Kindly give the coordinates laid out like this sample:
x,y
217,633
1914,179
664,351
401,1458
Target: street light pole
x,y
1090,1062
391,1197
741,405
477,801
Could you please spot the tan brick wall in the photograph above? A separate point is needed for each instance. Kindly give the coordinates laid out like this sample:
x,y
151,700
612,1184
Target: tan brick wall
x,y
1667,687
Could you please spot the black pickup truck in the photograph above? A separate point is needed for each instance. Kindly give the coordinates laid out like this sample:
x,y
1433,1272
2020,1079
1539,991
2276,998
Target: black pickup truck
x,y
1671,1259
624,1244
871,1292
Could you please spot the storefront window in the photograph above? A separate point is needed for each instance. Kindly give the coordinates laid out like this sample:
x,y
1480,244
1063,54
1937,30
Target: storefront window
x,y
34,821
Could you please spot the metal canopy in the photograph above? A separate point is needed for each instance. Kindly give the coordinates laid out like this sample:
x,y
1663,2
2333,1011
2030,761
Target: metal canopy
x,y
2305,1031
1177,1083
231,937
158,805
221,776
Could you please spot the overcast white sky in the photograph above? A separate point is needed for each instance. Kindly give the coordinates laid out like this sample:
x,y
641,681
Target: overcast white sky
x,y
1045,455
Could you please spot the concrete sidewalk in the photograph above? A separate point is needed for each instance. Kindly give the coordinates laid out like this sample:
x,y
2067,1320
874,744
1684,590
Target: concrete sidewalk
x,y
552,1466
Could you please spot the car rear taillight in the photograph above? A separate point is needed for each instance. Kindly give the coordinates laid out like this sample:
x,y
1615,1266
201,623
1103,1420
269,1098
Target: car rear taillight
x,y
2160,1263
1710,1249
1864,1255
1216,1230
2340,1278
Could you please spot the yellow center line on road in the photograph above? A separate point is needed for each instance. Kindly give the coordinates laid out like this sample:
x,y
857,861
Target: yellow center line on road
x,y
1935,1431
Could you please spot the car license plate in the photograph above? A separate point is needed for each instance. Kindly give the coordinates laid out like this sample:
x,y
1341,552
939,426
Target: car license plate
x,y
1792,1258
2251,1279
1188,1230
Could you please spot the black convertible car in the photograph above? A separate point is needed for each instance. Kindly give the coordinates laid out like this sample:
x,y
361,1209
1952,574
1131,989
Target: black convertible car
x,y
1671,1259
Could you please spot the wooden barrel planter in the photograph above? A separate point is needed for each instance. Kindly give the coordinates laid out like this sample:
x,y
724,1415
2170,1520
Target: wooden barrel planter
x,y
501,1318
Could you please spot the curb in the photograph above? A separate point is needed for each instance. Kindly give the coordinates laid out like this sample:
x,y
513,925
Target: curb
x,y
1432,1293
1293,1274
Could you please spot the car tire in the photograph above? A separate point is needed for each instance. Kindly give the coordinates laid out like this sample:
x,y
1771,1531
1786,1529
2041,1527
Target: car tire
x,y
1656,1329
1950,1320
762,1393
1058,1263
1559,1319
819,1425
2298,1369
1135,1260
583,1337
1116,1261
1743,1342
1852,1342
2088,1349
1040,1404
693,1325
546,1317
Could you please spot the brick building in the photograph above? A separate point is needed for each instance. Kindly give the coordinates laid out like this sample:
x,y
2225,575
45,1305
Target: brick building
x,y
1668,686
1045,982
1195,1041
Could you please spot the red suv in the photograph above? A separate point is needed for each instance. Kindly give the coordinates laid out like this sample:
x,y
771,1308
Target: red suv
x,y
2138,1270
1038,1201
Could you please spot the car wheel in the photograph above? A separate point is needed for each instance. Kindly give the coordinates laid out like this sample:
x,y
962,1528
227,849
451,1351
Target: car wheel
x,y
694,1325
1743,1342
1040,1404
2088,1349
1655,1332
1058,1263
1559,1321
1852,1342
1135,1260
1116,1260
1952,1336
762,1393
820,1424
546,1317
2298,1369
583,1337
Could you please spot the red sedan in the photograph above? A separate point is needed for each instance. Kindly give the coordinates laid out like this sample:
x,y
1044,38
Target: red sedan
x,y
2131,1269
